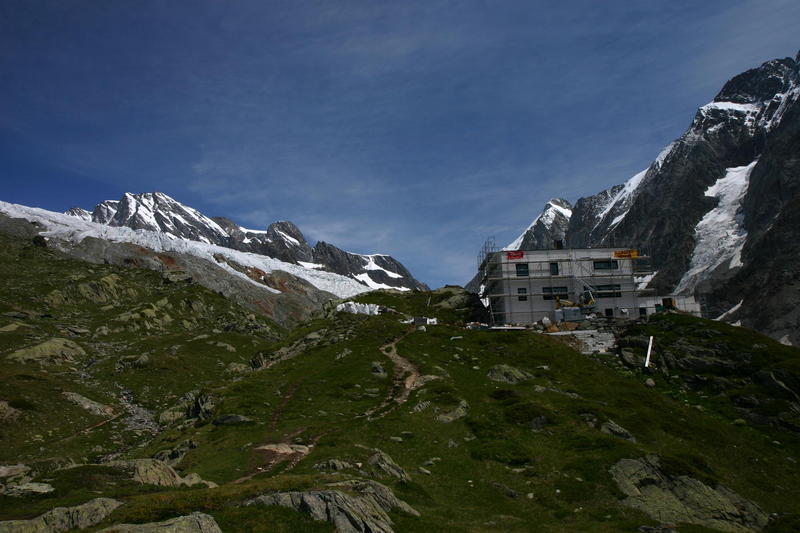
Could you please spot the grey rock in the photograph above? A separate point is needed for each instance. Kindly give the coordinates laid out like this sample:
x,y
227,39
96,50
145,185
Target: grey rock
x,y
334,465
8,413
676,498
612,428
157,472
354,506
92,406
383,464
64,518
51,352
508,374
193,523
27,489
378,371
13,471
460,411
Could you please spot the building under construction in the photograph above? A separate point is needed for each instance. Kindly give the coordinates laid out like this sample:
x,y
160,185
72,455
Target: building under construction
x,y
524,286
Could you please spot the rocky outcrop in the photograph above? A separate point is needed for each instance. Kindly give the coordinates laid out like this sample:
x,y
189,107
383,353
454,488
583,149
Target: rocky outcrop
x,y
193,404
64,518
54,351
354,506
157,472
671,498
612,428
193,523
384,465
508,374
92,406
282,240
460,411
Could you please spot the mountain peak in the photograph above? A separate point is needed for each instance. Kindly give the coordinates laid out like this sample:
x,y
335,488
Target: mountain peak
x,y
547,228
158,212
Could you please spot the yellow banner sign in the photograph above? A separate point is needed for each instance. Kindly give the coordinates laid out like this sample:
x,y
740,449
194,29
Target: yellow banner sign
x,y
626,254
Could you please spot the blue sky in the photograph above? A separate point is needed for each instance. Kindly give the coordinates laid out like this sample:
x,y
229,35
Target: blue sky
x,y
411,128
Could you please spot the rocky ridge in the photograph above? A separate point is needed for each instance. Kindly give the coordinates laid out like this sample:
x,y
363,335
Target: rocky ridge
x,y
281,240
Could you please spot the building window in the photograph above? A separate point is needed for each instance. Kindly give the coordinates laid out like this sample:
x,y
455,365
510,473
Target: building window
x,y
550,293
554,269
608,291
608,264
522,294
522,269
609,312
642,311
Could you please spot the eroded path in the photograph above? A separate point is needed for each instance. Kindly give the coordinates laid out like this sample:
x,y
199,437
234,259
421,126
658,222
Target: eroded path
x,y
405,379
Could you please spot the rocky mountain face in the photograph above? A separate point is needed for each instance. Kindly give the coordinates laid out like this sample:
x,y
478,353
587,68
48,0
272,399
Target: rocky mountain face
x,y
714,209
281,240
550,226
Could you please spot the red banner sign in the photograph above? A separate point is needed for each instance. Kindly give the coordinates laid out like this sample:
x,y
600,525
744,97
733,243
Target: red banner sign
x,y
515,255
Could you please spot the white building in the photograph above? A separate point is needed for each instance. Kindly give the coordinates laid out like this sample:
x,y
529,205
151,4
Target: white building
x,y
522,287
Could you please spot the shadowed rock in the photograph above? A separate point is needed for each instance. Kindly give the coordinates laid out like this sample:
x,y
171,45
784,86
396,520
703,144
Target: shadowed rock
x,y
678,498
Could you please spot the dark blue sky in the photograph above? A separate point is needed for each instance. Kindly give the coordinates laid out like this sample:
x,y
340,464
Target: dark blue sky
x,y
410,128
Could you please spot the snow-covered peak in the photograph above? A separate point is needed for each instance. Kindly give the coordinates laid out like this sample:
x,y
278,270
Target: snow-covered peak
x,y
550,225
282,240
73,229
756,100
79,212
156,211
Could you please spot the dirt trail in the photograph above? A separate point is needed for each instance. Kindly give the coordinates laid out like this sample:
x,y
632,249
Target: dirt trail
x,y
404,380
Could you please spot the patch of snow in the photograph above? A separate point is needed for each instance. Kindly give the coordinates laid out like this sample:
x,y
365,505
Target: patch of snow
x,y
359,309
719,236
730,311
372,265
257,231
643,281
288,238
732,106
313,266
621,197
74,230
365,279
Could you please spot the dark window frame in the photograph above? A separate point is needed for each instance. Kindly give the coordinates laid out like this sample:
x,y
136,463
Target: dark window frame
x,y
522,294
606,264
554,269
613,290
520,267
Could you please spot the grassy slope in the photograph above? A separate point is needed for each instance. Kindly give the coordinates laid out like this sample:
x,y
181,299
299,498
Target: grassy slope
x,y
321,395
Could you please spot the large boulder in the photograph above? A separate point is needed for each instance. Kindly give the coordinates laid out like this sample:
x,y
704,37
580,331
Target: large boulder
x,y
64,518
672,498
353,506
193,523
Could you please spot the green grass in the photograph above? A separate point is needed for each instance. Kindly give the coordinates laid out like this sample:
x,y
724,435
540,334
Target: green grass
x,y
514,440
